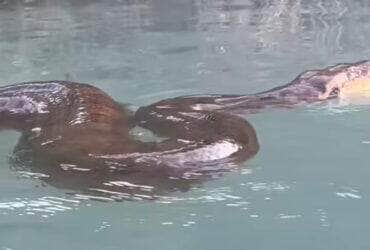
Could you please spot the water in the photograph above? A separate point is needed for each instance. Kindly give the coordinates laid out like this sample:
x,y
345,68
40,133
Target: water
x,y
307,187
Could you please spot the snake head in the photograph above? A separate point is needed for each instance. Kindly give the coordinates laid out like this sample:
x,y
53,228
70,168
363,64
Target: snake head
x,y
347,79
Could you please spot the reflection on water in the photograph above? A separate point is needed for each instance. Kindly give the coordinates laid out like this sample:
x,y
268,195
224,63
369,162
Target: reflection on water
x,y
126,45
307,187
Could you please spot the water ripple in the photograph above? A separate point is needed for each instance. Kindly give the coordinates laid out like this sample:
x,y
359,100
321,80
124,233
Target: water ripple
x,y
45,206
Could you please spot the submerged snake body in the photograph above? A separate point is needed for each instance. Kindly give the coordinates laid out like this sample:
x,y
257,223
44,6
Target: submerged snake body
x,y
79,137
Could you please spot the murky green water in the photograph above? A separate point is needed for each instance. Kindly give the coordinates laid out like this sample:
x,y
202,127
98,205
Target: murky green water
x,y
307,188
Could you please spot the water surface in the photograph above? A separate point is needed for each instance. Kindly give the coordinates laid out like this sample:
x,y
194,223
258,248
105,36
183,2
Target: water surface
x,y
307,187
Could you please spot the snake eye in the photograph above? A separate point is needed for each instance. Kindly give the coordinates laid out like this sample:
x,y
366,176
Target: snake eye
x,y
210,117
334,92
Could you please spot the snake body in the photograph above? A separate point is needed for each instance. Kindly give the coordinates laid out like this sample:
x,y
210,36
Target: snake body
x,y
79,137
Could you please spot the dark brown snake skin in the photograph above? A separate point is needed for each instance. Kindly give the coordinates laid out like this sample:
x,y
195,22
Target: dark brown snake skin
x,y
79,138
